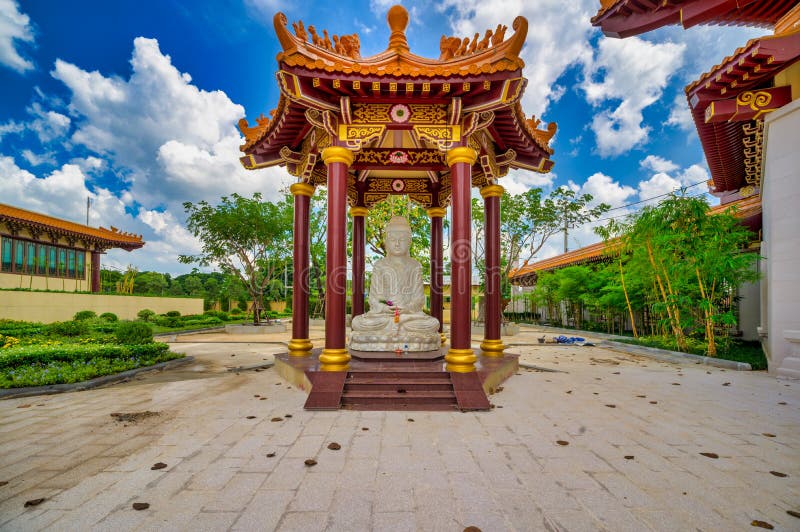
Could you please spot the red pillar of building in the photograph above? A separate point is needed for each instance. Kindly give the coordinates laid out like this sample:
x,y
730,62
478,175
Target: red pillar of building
x,y
437,266
300,344
460,358
492,345
359,215
335,356
96,285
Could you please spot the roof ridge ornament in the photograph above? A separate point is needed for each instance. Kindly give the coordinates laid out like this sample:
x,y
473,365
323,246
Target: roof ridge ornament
x,y
397,17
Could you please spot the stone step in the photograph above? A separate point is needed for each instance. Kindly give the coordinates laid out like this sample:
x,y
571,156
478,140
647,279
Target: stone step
x,y
391,385
361,376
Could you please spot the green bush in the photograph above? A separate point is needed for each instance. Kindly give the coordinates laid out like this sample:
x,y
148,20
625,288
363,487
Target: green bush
x,y
84,315
68,328
134,333
109,316
173,314
217,314
145,314
167,321
236,311
20,329
41,365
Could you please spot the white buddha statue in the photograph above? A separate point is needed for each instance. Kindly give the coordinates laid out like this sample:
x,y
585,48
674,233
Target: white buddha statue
x,y
395,319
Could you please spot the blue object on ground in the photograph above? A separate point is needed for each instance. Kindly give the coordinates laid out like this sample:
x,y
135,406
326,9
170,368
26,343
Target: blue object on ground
x,y
569,339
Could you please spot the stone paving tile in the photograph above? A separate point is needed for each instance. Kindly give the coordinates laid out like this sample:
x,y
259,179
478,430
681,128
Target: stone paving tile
x,y
501,470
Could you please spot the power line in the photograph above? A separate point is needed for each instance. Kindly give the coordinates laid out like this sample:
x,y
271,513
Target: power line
x,y
630,213
659,196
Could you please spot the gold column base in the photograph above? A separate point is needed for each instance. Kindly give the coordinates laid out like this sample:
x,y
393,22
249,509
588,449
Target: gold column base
x,y
492,348
444,338
460,360
300,347
334,360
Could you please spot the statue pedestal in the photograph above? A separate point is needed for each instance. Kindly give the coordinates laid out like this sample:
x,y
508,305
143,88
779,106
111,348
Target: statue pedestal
x,y
379,342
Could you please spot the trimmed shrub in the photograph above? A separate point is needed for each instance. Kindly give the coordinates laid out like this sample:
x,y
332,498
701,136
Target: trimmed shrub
x,y
84,315
167,321
134,333
217,314
109,316
173,314
69,328
19,329
236,311
145,314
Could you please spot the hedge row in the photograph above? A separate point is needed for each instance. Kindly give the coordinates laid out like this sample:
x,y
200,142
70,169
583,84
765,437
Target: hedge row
x,y
41,354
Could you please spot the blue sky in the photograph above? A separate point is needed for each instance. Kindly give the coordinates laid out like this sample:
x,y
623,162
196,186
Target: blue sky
x,y
135,103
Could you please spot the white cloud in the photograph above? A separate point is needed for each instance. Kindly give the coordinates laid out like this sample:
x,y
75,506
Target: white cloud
x,y
680,116
48,125
605,190
558,36
174,141
380,7
11,127
667,180
36,159
634,72
657,164
14,26
519,181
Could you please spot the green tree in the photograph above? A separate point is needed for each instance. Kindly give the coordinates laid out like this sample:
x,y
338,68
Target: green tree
x,y
527,222
380,214
153,283
241,235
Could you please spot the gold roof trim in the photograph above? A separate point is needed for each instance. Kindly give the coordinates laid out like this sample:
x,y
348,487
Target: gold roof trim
x,y
397,60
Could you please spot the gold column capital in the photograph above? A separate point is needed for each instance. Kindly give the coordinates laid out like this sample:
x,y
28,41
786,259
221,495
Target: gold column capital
x,y
302,189
436,212
462,154
337,154
492,191
358,211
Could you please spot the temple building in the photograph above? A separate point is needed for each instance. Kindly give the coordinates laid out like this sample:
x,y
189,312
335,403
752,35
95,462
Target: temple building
x,y
45,253
747,113
396,123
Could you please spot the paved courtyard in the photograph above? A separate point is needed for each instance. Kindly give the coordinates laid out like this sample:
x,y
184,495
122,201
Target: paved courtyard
x,y
607,442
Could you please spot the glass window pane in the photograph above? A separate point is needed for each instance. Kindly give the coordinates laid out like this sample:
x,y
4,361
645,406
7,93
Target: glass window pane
x,y
62,262
52,261
81,267
6,262
30,257
71,263
19,255
41,254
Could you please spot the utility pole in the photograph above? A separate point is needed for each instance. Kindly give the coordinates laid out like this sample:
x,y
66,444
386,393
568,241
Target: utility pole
x,y
566,228
88,204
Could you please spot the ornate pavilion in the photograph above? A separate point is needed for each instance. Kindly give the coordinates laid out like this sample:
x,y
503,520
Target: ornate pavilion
x,y
37,248
747,113
396,123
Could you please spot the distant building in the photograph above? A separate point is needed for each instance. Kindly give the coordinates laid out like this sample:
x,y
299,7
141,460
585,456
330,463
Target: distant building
x,y
42,252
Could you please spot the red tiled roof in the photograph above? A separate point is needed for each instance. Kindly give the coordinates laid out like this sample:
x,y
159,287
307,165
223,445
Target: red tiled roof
x,y
104,237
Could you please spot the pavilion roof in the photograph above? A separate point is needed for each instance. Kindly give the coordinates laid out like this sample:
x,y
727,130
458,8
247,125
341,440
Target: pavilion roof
x,y
748,211
624,18
318,73
100,236
749,68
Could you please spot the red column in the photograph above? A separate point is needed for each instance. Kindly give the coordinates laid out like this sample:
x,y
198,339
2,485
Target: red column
x,y
96,286
492,345
335,356
437,267
460,357
359,241
300,344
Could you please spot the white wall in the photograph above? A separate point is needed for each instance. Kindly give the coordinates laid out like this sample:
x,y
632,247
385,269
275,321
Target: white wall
x,y
781,224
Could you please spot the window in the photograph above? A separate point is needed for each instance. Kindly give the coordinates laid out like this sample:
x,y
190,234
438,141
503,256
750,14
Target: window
x,y
52,260
32,258
5,265
71,263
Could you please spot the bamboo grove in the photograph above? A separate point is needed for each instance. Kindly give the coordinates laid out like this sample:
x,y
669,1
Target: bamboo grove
x,y
670,270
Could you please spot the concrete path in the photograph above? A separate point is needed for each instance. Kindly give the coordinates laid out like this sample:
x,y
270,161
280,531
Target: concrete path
x,y
613,442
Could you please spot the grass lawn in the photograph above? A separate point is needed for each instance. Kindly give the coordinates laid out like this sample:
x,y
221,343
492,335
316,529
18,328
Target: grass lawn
x,y
749,352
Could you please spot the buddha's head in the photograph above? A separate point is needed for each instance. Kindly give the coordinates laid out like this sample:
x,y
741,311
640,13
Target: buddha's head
x,y
398,237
